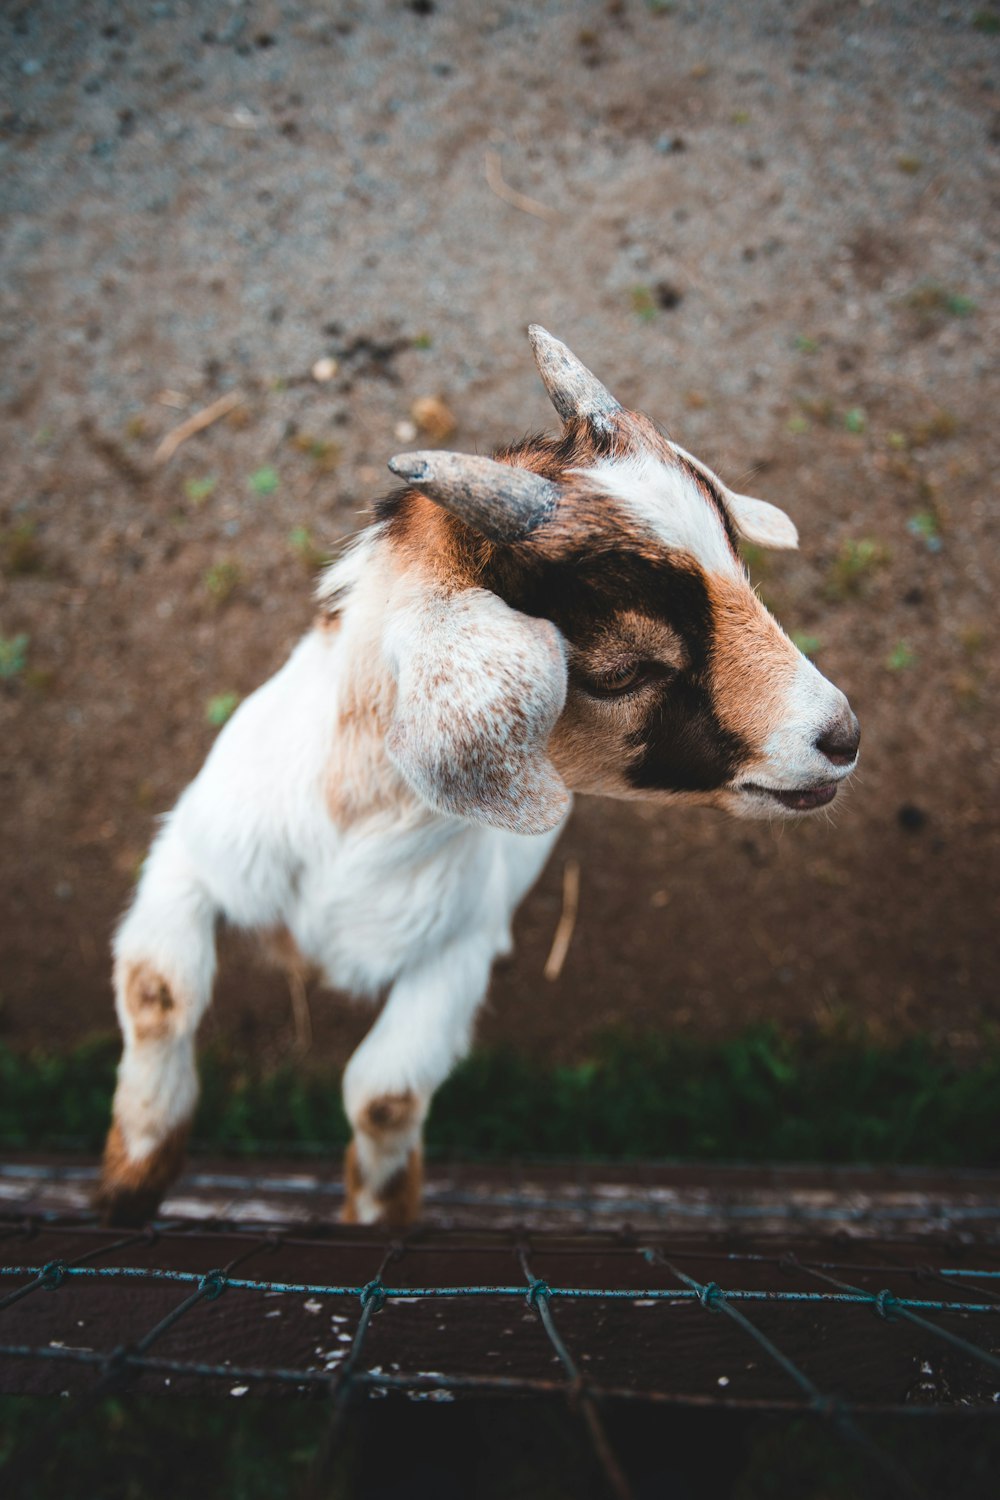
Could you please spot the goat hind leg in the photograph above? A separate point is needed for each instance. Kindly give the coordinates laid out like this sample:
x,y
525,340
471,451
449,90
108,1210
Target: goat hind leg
x,y
164,969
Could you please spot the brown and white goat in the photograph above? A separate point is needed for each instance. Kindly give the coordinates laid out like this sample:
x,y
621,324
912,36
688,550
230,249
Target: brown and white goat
x,y
570,615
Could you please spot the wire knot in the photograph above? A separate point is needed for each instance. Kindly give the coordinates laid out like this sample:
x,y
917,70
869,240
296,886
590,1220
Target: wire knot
x,y
884,1302
53,1274
374,1292
711,1295
538,1288
212,1284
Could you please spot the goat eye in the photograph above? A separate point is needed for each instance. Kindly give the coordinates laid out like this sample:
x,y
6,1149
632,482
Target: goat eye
x,y
621,680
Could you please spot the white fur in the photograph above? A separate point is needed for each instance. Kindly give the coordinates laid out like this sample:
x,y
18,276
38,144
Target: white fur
x,y
372,798
400,897
789,758
668,505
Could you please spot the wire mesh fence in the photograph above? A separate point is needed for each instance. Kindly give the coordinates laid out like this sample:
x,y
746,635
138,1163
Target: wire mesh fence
x,y
835,1328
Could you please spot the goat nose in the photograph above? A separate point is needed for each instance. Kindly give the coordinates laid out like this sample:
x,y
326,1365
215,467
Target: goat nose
x,y
839,741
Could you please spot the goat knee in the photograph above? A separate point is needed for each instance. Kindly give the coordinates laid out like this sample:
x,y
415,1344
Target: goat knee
x,y
152,1011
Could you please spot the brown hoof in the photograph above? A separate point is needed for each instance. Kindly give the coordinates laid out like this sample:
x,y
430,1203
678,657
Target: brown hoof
x,y
124,1210
130,1192
397,1202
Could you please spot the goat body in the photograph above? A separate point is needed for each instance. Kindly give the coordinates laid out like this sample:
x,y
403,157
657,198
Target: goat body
x,y
571,617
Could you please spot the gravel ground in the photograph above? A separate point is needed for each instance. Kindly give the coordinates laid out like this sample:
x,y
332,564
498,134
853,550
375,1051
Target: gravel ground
x,y
774,227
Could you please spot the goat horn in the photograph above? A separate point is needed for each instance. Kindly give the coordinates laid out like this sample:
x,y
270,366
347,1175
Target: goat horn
x,y
497,500
573,390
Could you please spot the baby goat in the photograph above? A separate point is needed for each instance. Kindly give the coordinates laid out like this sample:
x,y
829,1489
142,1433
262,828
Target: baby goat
x,y
570,615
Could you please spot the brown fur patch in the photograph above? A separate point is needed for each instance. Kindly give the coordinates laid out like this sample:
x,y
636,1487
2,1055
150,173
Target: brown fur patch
x,y
389,1114
150,1002
753,662
428,537
592,756
130,1191
423,532
359,779
399,1198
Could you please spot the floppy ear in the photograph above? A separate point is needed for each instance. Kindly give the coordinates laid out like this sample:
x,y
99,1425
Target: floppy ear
x,y
479,688
759,521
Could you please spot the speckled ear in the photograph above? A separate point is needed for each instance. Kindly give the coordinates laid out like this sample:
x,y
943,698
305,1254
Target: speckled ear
x,y
479,690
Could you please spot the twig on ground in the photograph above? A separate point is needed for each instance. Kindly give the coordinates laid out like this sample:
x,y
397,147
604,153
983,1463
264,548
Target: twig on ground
x,y
567,920
495,180
300,1012
196,423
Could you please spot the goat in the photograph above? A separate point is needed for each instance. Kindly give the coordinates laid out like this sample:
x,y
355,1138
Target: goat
x,y
571,615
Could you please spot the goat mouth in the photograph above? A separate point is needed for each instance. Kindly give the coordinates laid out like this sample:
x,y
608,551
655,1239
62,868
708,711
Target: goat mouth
x,y
805,800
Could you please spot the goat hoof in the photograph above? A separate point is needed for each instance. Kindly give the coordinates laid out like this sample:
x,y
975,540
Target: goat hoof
x,y
396,1204
130,1190
123,1209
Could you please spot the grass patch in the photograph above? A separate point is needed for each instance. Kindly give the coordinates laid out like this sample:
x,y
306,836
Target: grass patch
x,y
760,1096
132,1447
303,544
13,655
222,580
220,709
21,553
853,568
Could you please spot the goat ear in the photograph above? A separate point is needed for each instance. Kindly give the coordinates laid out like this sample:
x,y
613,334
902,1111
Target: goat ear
x,y
759,521
479,688
756,520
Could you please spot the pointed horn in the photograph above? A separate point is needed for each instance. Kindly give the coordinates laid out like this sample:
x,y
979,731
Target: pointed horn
x,y
497,500
573,390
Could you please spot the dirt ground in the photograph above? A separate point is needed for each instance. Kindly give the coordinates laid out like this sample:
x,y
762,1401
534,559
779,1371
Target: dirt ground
x,y
774,227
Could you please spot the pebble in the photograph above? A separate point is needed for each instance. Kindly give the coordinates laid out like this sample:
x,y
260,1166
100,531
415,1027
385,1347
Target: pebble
x,y
434,416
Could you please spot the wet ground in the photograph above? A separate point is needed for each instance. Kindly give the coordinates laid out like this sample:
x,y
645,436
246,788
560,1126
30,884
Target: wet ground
x,y
773,227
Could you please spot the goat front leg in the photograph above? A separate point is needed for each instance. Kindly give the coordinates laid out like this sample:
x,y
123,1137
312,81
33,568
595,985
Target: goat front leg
x,y
425,1028
164,969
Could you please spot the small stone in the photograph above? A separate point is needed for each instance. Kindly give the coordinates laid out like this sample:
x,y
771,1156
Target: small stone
x,y
30,67
433,417
324,369
405,431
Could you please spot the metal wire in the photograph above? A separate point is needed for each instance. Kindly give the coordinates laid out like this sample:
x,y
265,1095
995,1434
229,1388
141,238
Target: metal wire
x,y
713,1298
887,1306
372,1296
539,1295
117,1366
583,1293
